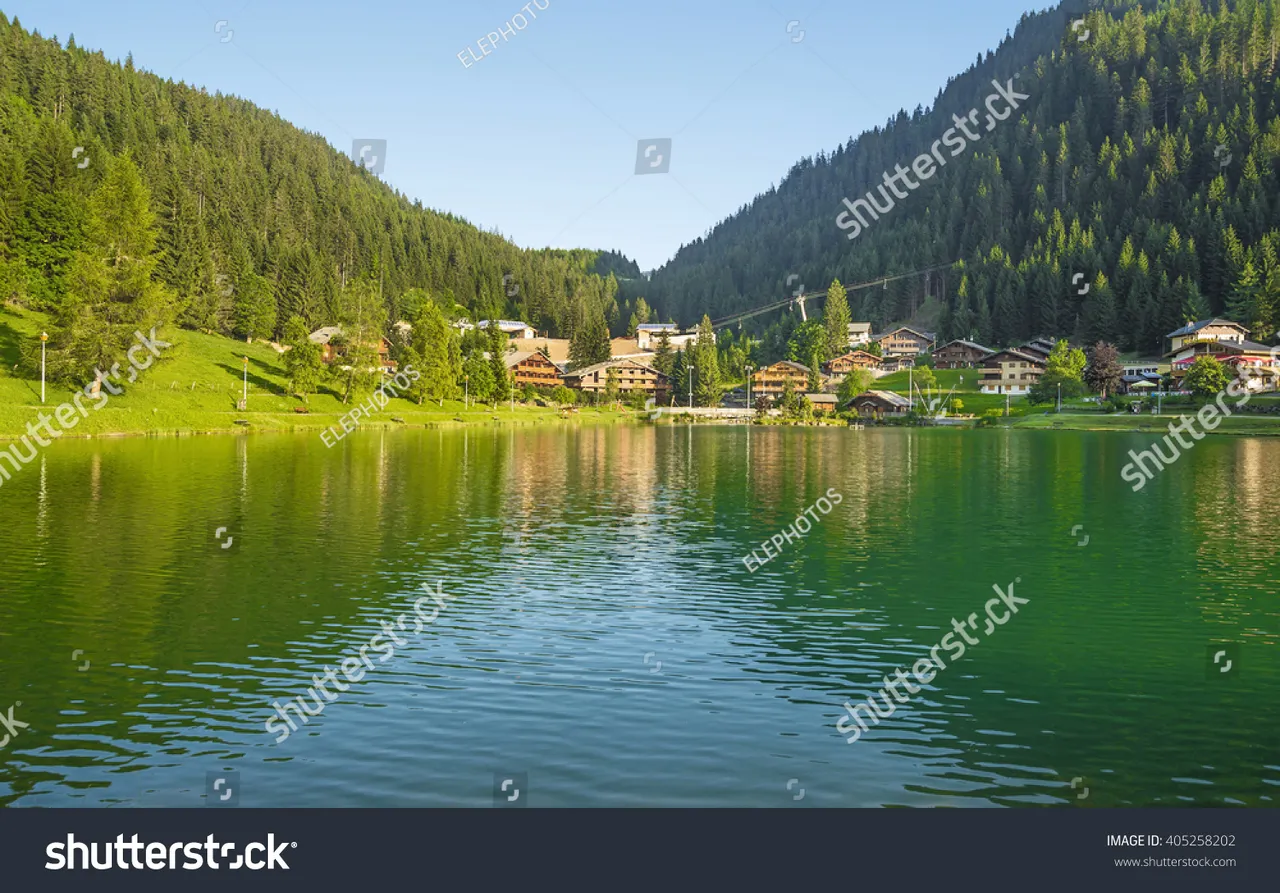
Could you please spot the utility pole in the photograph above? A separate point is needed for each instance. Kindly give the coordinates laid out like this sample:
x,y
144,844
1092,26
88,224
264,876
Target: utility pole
x,y
44,337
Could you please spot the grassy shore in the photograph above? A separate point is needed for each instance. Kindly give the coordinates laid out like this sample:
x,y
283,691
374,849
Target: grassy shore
x,y
194,387
1146,422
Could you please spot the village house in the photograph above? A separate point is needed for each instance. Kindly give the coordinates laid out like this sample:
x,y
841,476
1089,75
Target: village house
x,y
880,405
330,339
632,375
905,342
823,404
1011,371
771,381
857,359
1226,342
649,335
532,368
960,354
890,365
1040,348
859,334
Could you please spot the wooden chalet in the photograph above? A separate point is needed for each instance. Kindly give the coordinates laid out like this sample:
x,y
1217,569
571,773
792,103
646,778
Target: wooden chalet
x,y
771,381
1011,371
532,367
857,359
960,354
905,342
632,375
880,405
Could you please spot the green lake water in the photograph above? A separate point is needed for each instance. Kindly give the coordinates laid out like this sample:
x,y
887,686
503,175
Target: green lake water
x,y
603,637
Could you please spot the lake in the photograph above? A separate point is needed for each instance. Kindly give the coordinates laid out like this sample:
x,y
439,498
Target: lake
x,y
604,642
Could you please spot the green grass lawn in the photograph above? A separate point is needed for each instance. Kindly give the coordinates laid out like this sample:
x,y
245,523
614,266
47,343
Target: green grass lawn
x,y
1155,424
968,391
194,387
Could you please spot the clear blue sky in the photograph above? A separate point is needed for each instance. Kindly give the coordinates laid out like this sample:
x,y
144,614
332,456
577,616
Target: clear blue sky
x,y
538,139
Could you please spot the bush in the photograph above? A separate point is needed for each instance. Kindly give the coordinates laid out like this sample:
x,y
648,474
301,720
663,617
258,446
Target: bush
x,y
564,396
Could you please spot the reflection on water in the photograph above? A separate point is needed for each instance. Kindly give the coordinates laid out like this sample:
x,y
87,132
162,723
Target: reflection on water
x,y
605,637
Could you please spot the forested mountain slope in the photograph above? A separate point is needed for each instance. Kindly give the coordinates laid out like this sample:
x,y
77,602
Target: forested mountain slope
x,y
1135,188
257,221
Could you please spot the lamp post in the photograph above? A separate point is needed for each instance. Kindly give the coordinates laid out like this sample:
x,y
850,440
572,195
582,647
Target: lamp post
x,y
246,383
1059,397
750,369
692,371
466,392
44,337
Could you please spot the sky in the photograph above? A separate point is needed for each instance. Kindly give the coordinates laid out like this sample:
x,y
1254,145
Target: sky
x,y
541,138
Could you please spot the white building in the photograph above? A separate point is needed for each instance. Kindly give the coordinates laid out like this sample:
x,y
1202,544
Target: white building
x,y
649,334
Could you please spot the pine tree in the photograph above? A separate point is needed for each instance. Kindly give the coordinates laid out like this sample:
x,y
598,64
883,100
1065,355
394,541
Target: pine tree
x,y
836,320
498,344
111,290
590,342
302,360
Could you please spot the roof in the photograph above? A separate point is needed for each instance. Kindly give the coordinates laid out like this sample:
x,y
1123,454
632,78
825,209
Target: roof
x,y
325,335
657,327
961,341
794,365
927,336
505,324
1226,347
1019,354
886,397
820,398
859,327
853,353
516,358
1194,327
616,361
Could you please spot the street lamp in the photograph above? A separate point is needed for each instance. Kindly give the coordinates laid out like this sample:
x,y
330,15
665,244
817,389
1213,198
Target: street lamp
x,y
692,370
750,369
466,392
1059,397
44,337
246,383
